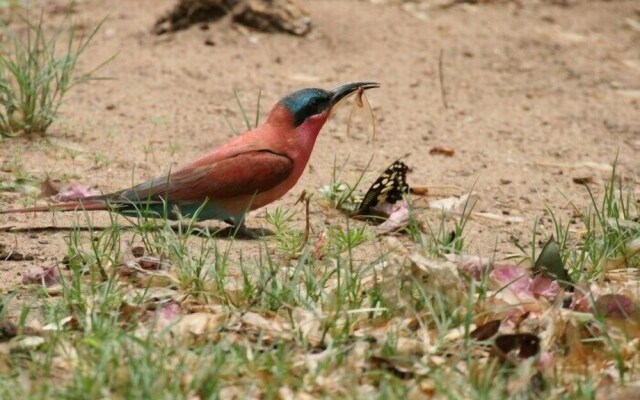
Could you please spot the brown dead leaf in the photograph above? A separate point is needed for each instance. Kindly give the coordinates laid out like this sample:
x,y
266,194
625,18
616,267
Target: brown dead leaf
x,y
68,322
267,328
577,352
437,275
49,187
616,306
309,326
442,151
198,324
15,256
473,266
151,262
419,190
137,250
585,180
8,330
627,392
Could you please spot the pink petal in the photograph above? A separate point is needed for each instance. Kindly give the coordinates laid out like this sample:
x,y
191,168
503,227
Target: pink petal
x,y
317,246
545,362
473,266
47,276
151,262
513,277
616,306
73,192
398,219
544,287
169,312
581,301
388,208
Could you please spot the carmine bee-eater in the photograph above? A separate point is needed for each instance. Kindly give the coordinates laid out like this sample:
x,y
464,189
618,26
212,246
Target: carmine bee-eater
x,y
243,174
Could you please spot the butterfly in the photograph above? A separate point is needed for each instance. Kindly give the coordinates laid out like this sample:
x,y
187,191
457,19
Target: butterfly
x,y
390,187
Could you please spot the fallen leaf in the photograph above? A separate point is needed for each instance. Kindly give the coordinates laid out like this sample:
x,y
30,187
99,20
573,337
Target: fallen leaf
x,y
628,392
49,187
581,299
499,217
47,276
437,274
586,180
419,190
442,151
151,262
309,326
137,251
29,342
616,306
8,330
541,286
169,311
66,322
198,324
398,219
317,251
546,360
634,93
512,277
74,192
473,266
456,204
517,280
15,256
267,327
584,164
126,257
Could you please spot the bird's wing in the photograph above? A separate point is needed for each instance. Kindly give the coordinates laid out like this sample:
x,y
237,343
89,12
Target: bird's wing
x,y
245,173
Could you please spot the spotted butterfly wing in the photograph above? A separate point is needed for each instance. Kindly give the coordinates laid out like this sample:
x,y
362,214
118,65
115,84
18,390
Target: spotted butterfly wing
x,y
390,187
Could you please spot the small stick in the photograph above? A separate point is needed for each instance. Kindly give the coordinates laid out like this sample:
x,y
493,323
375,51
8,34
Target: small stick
x,y
305,198
443,92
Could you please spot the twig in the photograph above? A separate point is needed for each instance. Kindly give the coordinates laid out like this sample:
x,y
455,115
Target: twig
x,y
443,92
305,198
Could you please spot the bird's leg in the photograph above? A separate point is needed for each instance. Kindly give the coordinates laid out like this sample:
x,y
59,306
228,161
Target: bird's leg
x,y
240,229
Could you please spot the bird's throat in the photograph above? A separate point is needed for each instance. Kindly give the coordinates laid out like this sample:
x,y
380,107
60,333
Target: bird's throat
x,y
308,132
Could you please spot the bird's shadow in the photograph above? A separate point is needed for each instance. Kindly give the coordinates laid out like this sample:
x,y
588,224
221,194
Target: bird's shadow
x,y
228,232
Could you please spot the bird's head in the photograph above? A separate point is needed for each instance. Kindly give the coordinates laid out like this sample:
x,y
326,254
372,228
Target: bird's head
x,y
311,107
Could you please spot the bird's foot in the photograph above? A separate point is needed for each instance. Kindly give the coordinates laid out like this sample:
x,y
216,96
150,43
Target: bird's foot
x,y
240,231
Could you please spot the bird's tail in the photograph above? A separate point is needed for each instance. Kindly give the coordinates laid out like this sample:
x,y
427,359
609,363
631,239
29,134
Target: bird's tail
x,y
73,205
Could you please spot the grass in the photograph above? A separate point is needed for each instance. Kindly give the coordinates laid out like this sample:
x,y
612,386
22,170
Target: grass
x,y
342,313
36,73
269,321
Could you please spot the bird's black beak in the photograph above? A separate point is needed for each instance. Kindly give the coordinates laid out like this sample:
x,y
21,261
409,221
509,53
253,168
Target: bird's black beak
x,y
343,91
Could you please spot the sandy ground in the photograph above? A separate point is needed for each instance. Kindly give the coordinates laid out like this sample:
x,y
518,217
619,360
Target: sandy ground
x,y
537,93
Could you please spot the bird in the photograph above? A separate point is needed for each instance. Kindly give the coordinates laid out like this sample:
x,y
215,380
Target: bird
x,y
245,173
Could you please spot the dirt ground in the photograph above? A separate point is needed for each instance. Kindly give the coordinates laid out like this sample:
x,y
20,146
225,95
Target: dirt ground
x,y
538,94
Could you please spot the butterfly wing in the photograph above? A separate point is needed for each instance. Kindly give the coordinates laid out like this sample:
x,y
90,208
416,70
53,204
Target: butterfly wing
x,y
390,187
